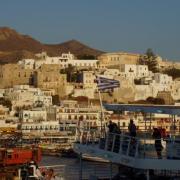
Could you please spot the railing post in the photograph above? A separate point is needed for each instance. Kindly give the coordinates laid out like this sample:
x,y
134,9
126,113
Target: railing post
x,y
127,153
147,175
113,143
106,142
87,137
110,170
80,168
144,148
121,143
137,146
93,138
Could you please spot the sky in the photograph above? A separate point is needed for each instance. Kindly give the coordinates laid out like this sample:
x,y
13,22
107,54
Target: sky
x,y
108,25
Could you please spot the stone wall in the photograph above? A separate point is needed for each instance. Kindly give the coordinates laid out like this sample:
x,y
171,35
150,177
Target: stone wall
x,y
49,77
13,74
111,59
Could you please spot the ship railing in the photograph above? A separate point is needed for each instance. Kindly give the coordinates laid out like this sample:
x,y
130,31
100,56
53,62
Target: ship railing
x,y
88,136
143,147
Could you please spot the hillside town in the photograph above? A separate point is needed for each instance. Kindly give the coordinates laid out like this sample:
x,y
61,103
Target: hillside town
x,y
49,97
89,90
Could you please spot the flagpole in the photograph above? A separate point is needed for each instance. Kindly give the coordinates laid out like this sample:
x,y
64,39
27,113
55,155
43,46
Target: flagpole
x,y
102,84
102,113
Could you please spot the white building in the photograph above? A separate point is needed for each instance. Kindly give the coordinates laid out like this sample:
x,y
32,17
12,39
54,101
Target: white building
x,y
24,95
86,92
111,73
34,115
160,82
176,89
27,63
88,79
132,71
163,79
40,128
4,111
64,61
70,115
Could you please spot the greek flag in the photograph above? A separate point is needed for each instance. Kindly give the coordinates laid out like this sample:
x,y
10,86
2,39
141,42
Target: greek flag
x,y
105,83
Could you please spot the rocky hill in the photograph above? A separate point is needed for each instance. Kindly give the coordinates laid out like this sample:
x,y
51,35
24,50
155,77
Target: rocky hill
x,y
14,46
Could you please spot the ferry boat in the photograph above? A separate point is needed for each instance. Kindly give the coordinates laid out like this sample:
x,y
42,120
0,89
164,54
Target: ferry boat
x,y
135,152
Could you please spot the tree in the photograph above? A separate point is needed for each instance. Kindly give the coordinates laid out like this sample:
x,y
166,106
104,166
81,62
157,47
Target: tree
x,y
153,100
6,102
149,59
175,73
55,100
71,73
86,56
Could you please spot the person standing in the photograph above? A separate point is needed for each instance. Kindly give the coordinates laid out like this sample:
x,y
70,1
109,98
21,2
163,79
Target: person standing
x,y
132,128
110,126
157,143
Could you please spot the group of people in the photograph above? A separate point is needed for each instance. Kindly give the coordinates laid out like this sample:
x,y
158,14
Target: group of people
x,y
113,128
132,131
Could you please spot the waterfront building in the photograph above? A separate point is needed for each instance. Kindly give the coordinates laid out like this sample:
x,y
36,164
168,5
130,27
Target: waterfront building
x,y
7,125
33,115
38,121
71,114
40,128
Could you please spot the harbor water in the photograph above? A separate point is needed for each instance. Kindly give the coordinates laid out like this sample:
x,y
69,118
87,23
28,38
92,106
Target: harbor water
x,y
69,168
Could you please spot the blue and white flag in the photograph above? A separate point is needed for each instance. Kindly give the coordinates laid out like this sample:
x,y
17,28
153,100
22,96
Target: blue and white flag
x,y
105,83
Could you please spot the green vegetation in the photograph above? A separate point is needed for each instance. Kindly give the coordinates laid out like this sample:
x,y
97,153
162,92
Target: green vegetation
x,y
175,73
150,100
86,56
6,102
149,59
71,73
55,100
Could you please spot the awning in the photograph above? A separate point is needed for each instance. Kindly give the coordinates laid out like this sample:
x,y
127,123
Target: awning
x,y
157,109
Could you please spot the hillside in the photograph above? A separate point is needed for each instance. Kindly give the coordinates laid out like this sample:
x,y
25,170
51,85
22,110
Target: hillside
x,y
14,46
